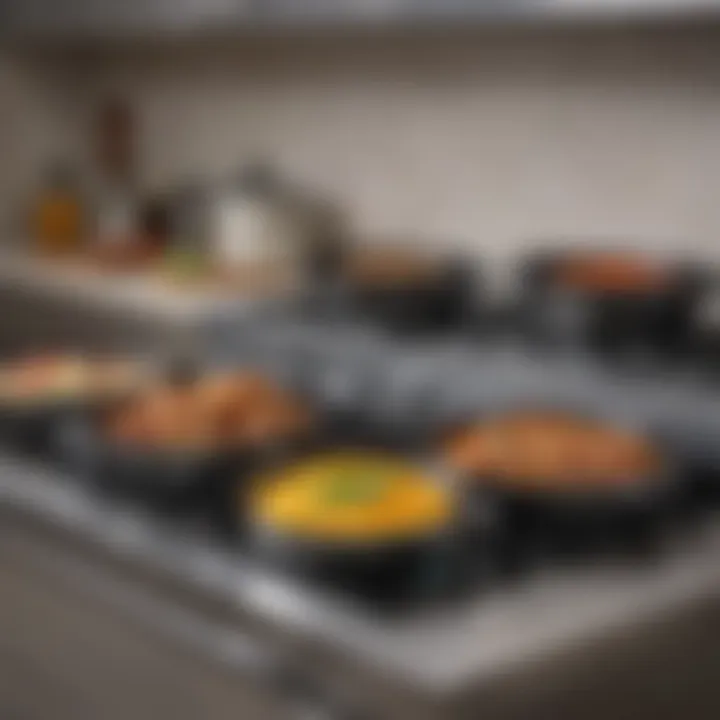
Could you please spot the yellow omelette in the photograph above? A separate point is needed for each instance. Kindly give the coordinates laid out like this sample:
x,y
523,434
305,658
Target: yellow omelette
x,y
351,497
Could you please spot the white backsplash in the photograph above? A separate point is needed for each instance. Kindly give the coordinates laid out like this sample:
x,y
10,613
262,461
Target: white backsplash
x,y
484,142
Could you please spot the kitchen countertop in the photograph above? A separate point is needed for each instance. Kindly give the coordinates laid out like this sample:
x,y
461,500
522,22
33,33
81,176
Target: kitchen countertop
x,y
442,651
145,292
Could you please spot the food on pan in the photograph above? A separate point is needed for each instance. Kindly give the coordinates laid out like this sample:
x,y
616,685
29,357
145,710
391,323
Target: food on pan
x,y
391,267
239,409
346,498
549,451
55,377
610,273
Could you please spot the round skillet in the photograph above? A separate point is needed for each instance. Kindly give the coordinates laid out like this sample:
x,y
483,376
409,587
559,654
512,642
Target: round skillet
x,y
409,292
187,476
539,515
610,302
32,424
385,563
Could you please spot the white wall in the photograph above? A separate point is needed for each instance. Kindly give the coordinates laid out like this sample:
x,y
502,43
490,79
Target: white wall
x,y
483,141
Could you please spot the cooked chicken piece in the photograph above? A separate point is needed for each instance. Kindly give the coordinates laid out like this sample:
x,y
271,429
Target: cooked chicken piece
x,y
234,409
552,451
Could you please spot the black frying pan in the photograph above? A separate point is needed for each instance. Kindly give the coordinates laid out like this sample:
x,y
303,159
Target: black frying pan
x,y
31,426
659,323
183,479
34,428
444,301
388,574
570,523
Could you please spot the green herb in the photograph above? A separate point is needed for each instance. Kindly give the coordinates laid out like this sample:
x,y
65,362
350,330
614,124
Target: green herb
x,y
357,487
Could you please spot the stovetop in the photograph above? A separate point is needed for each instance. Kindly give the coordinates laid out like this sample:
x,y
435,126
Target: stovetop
x,y
452,376
496,626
